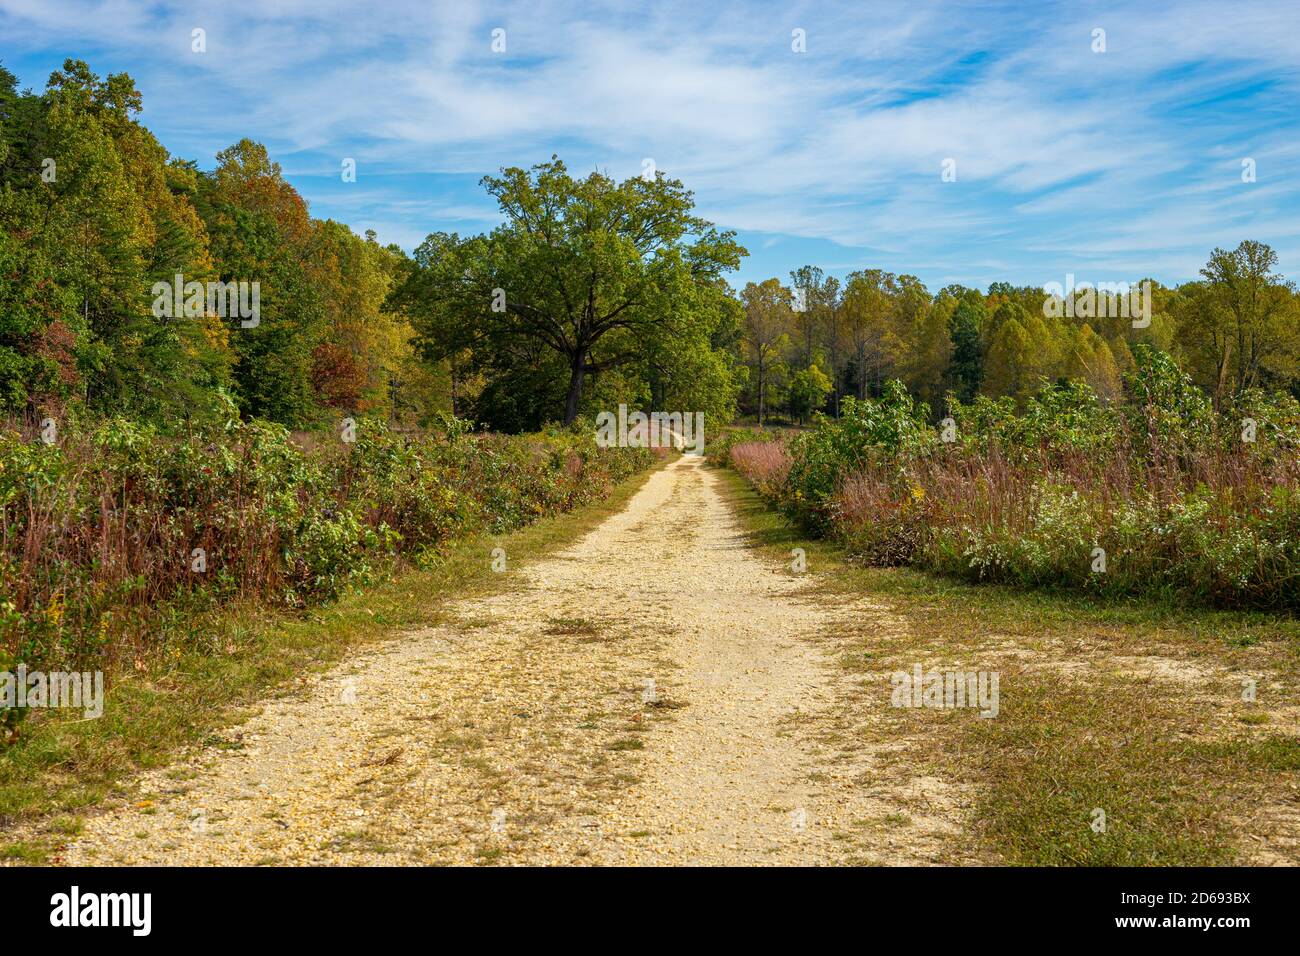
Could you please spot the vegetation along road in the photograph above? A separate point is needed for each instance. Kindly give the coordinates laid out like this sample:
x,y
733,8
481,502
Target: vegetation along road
x,y
670,688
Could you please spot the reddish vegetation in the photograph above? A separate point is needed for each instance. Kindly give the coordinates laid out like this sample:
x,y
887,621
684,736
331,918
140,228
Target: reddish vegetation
x,y
765,464
108,534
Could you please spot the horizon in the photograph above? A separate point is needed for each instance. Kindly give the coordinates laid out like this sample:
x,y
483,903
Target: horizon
x,y
813,158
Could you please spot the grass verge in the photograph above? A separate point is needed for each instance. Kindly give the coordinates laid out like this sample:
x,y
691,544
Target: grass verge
x,y
62,767
1132,708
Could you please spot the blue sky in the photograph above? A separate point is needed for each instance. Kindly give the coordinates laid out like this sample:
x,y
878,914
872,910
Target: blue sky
x,y
1110,165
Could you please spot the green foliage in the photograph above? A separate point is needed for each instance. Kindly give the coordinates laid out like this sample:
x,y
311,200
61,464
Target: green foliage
x,y
1158,495
1165,409
593,273
1236,329
94,212
100,529
807,392
965,329
871,430
1061,416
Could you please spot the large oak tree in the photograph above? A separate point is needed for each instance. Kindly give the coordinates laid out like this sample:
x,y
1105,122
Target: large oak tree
x,y
587,270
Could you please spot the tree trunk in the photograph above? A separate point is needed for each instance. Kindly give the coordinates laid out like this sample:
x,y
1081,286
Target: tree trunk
x,y
451,374
1221,376
835,375
577,367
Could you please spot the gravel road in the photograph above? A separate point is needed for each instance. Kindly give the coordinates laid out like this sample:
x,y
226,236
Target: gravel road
x,y
655,694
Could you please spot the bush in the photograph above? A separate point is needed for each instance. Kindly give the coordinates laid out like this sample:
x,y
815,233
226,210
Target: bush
x,y
101,530
867,432
1171,492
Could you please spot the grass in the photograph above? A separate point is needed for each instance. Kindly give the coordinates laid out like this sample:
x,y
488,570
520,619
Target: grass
x,y
571,626
1178,768
63,767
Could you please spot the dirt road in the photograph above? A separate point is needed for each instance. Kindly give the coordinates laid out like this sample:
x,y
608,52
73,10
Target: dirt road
x,y
657,693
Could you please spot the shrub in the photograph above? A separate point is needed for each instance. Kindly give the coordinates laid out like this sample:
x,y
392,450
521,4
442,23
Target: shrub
x,y
1166,486
103,529
867,432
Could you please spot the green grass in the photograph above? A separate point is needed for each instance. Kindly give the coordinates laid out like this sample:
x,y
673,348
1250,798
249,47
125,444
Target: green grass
x,y
571,626
1174,784
181,698
1059,752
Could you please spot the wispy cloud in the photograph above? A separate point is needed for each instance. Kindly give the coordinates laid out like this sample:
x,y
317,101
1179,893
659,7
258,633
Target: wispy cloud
x,y
1066,158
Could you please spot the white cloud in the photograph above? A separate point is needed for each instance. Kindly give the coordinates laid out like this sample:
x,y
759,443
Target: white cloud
x,y
1057,147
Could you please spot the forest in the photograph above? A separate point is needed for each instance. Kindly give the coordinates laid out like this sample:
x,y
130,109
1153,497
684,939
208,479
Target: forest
x,y
590,293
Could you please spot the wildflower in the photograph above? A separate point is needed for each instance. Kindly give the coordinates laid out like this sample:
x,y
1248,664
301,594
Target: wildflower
x,y
54,613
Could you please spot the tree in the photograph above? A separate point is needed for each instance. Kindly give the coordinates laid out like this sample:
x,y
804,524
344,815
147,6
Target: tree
x,y
40,328
868,301
693,363
363,348
112,216
94,212
930,354
965,330
920,329
260,232
768,319
833,337
1247,316
1089,359
808,390
1014,364
814,295
583,268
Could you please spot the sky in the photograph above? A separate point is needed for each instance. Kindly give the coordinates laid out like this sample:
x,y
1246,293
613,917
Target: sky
x,y
1063,158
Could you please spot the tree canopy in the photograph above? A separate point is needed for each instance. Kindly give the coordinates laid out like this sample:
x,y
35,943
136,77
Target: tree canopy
x,y
94,212
586,275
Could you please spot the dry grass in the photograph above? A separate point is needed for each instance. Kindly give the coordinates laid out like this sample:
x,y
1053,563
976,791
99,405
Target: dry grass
x,y
1129,706
66,767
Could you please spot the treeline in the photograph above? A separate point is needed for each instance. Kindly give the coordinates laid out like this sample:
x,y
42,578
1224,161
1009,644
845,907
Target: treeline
x,y
812,342
94,212
590,293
